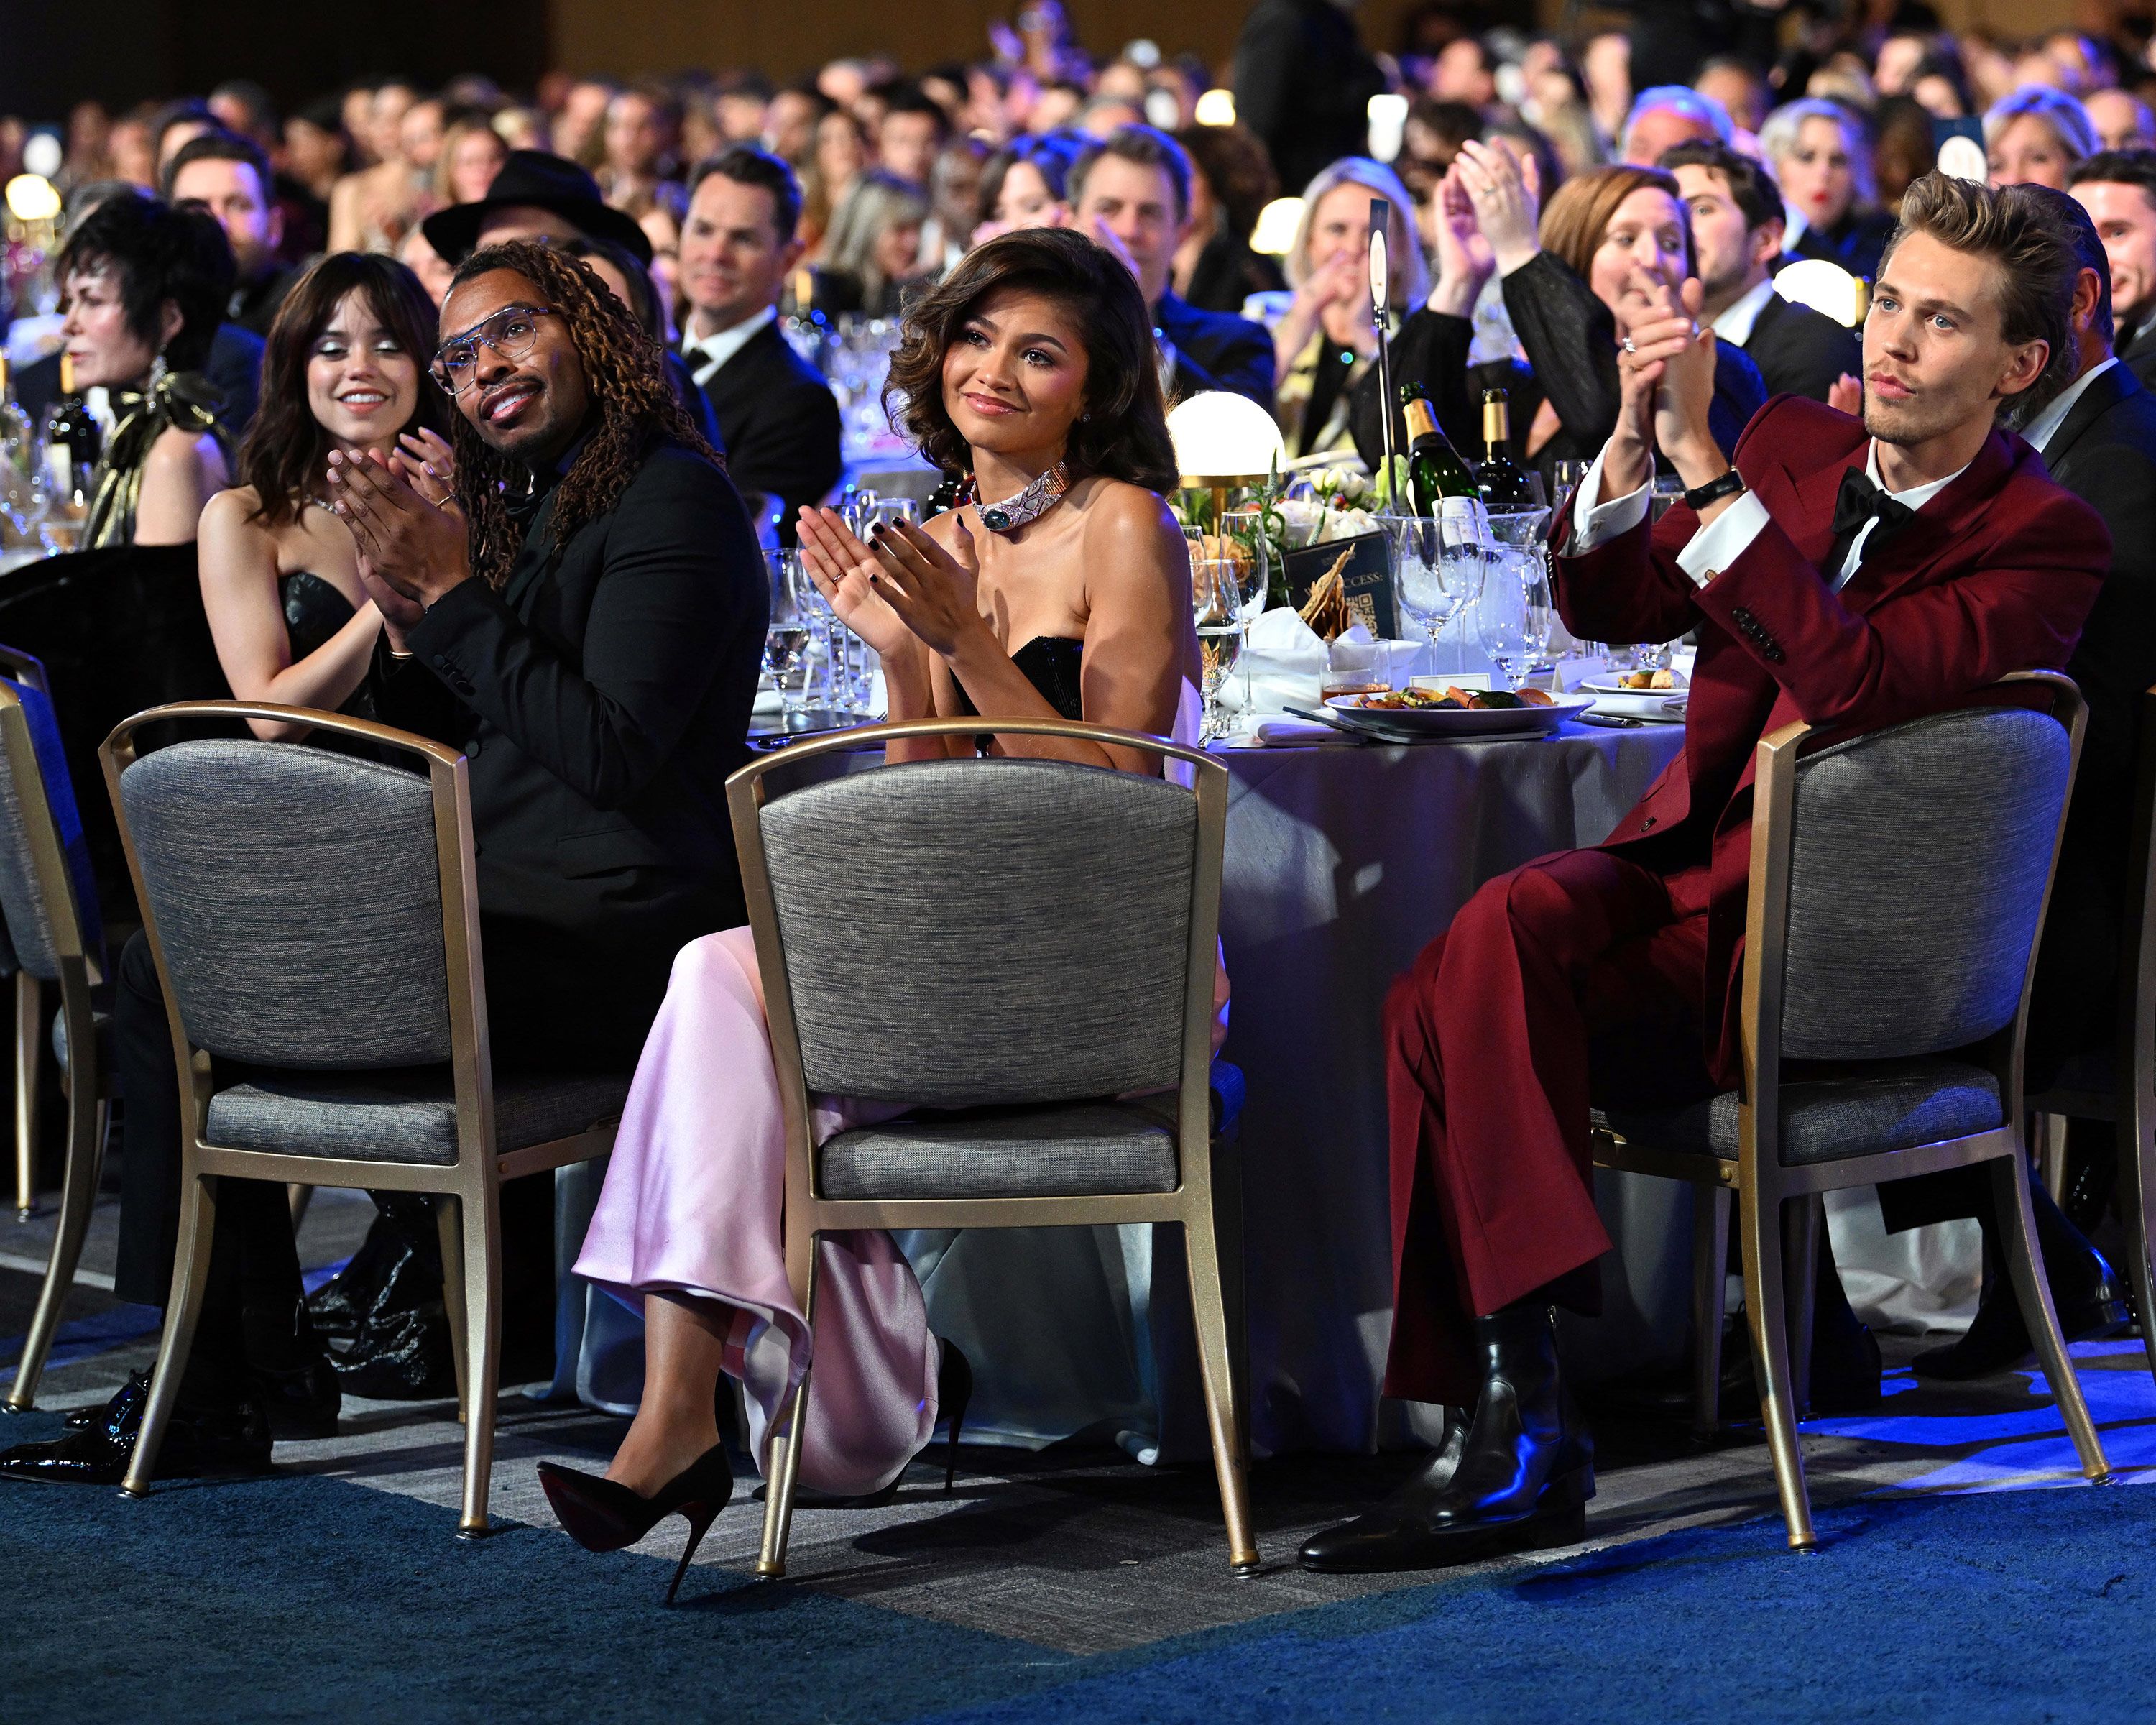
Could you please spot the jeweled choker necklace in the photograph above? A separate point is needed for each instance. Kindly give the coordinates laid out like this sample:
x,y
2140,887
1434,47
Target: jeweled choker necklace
x,y
1035,502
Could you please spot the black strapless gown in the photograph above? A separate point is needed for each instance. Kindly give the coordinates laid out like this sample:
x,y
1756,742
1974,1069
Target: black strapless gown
x,y
1051,663
314,611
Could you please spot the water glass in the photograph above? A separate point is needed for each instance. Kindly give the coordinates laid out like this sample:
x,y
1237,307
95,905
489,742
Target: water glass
x,y
1216,604
1243,531
1514,615
789,633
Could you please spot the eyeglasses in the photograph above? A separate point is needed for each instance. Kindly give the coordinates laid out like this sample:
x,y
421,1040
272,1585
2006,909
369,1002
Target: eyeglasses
x,y
511,332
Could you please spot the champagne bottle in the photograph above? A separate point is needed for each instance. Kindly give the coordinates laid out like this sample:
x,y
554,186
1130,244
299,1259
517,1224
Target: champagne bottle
x,y
1503,485
1435,468
72,437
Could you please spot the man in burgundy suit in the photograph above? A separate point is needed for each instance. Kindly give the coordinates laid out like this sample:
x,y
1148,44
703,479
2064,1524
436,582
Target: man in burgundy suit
x,y
1850,575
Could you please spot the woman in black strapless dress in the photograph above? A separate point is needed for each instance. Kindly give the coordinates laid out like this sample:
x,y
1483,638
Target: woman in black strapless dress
x,y
344,369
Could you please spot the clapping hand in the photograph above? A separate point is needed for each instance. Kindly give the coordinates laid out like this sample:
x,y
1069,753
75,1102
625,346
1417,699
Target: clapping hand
x,y
425,459
1666,377
412,549
1465,260
844,571
934,591
1507,195
1846,393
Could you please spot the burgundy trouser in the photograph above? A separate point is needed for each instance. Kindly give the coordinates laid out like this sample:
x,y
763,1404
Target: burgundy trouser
x,y
1578,974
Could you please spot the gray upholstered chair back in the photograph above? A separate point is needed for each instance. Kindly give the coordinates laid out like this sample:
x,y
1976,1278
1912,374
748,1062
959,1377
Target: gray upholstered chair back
x,y
30,920
1918,861
966,933
296,897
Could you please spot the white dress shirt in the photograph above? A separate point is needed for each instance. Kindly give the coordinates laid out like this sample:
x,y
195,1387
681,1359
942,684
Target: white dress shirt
x,y
1734,325
2046,425
704,357
1715,546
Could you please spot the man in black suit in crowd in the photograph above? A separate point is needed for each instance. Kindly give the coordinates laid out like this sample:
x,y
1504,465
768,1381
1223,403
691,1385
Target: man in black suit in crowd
x,y
1131,192
1737,231
228,178
1303,83
2097,435
584,618
546,197
778,416
2117,188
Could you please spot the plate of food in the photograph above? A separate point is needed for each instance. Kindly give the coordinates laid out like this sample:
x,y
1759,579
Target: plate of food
x,y
1639,682
1455,711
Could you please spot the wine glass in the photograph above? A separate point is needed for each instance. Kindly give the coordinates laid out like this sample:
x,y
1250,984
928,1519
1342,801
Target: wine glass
x,y
1244,530
1216,603
788,633
1514,615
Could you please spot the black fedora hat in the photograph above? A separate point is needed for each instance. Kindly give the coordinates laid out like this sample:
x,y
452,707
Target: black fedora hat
x,y
532,179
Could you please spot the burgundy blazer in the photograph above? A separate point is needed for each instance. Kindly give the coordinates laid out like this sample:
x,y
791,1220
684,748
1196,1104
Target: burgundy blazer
x,y
1995,574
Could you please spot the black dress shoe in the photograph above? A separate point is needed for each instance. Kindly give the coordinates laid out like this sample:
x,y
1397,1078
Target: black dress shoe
x,y
2090,1296
302,1401
112,1415
1525,1470
202,1438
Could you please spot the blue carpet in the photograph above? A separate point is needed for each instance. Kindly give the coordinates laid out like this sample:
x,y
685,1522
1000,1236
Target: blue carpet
x,y
305,1598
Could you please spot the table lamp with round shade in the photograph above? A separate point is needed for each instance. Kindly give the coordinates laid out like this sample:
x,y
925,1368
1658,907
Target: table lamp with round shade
x,y
1222,440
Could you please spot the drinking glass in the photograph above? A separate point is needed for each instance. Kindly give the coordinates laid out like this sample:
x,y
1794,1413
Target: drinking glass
x,y
1514,614
1429,590
787,635
1216,603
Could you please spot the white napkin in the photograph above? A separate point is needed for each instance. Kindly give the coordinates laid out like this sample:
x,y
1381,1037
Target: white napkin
x,y
1294,734
1287,663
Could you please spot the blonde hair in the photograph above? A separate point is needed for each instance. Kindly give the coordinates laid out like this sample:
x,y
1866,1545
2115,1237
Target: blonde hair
x,y
1406,271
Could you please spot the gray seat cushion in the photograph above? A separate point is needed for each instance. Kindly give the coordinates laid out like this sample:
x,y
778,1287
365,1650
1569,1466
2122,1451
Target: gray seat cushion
x,y
1081,1149
100,1018
400,1117
1905,1104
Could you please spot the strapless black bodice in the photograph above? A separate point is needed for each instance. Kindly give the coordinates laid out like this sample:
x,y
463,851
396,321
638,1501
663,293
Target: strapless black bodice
x,y
1051,664
314,611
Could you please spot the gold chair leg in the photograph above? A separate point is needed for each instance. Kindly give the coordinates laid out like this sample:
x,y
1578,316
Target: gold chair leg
x,y
1762,1234
449,1219
1802,1218
482,1327
87,1114
1710,1264
2137,1203
29,1069
298,1198
1216,1358
782,1443
2025,1261
2048,1133
190,1278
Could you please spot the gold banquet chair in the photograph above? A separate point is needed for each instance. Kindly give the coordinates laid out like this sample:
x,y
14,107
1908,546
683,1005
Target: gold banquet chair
x,y
1014,944
315,919
49,895
1898,884
2119,1084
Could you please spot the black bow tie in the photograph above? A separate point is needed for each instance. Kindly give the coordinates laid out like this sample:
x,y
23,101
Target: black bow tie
x,y
1858,501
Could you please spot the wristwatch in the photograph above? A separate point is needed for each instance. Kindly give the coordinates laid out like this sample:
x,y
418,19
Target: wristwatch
x,y
1728,485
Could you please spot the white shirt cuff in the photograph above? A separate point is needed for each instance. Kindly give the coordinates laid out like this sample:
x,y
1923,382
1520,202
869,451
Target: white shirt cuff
x,y
1722,541
1595,524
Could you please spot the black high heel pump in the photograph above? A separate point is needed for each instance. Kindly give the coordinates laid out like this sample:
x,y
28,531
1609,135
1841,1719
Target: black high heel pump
x,y
603,1515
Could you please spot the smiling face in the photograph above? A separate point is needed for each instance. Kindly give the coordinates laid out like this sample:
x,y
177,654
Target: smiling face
x,y
1816,176
1340,228
363,385
1730,253
2028,153
1135,202
1936,356
1648,232
530,407
2125,218
733,259
1015,380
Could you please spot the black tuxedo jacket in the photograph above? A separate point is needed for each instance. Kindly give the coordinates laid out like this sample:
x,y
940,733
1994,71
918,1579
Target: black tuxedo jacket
x,y
2105,453
2138,348
602,698
1216,350
1801,352
779,422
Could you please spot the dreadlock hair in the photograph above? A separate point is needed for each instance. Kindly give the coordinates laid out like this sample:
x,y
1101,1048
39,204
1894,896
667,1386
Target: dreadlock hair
x,y
625,373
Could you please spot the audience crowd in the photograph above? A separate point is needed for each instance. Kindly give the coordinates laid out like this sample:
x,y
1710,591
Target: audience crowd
x,y
441,381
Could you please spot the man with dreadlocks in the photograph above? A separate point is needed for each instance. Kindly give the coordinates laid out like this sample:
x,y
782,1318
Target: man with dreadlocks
x,y
584,614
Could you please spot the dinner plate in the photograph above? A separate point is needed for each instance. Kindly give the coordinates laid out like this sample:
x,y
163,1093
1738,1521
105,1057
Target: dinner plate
x,y
1614,685
1459,721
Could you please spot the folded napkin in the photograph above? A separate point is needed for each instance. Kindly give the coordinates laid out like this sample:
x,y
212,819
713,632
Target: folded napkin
x,y
1287,661
1294,734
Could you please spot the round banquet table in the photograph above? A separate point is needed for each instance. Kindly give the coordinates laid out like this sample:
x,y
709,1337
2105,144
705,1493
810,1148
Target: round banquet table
x,y
1342,862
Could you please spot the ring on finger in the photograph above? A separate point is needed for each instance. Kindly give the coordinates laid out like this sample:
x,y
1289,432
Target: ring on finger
x,y
1627,344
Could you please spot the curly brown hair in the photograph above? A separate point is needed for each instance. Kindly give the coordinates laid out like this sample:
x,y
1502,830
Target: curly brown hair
x,y
286,446
1124,434
624,371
